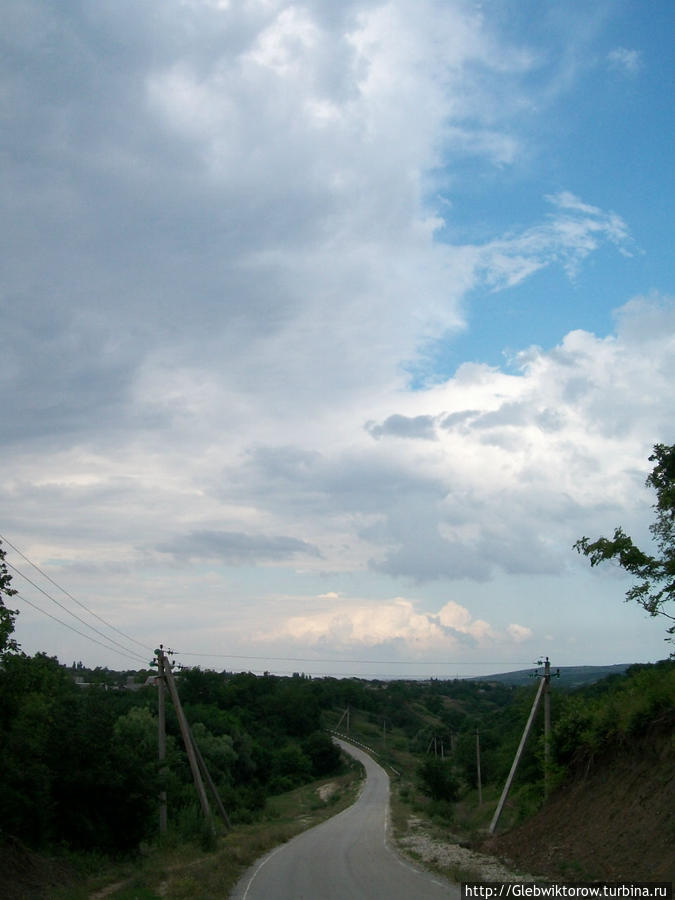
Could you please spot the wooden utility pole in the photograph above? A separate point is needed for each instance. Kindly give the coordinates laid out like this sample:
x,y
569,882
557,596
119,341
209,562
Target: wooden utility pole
x,y
478,778
187,738
161,714
519,753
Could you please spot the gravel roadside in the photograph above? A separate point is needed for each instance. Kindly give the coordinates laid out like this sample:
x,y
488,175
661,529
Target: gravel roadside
x,y
452,859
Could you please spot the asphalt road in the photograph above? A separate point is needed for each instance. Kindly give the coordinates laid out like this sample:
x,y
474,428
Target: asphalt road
x,y
345,858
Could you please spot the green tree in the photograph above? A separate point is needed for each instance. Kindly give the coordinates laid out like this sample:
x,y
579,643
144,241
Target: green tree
x,y
655,587
437,780
323,753
7,643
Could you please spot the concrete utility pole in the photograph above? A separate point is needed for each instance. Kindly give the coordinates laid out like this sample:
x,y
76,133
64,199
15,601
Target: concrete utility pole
x,y
187,737
207,777
519,753
161,714
547,725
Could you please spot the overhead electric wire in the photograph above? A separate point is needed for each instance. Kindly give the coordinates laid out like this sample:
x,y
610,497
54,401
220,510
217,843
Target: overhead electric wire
x,y
69,611
134,658
74,599
334,659
265,658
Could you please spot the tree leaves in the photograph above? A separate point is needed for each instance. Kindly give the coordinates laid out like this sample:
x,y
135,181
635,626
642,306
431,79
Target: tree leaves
x,y
656,574
7,616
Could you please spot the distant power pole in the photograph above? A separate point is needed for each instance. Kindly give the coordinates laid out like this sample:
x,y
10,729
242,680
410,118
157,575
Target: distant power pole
x,y
478,778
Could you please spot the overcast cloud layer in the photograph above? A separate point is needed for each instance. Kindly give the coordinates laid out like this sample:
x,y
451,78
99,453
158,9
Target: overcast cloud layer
x,y
238,237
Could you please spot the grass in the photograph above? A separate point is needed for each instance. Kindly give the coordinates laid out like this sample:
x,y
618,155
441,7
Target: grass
x,y
183,871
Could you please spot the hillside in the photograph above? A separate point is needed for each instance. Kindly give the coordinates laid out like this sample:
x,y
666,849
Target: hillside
x,y
613,820
570,676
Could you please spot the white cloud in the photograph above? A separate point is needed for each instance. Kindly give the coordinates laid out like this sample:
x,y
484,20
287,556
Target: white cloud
x,y
519,633
396,625
629,62
573,231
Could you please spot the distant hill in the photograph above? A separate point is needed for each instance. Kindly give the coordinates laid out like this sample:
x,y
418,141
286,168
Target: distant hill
x,y
570,676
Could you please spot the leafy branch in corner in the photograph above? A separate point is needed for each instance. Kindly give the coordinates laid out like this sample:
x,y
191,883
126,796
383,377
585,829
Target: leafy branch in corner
x,y
655,587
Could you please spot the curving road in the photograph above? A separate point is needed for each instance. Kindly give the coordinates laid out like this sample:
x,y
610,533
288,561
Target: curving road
x,y
345,858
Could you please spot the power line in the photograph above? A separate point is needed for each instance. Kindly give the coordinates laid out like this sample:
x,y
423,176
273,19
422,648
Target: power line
x,y
69,611
264,658
76,630
74,599
388,662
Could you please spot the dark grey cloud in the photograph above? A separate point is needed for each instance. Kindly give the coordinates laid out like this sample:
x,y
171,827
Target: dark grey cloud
x,y
419,552
290,480
421,427
237,548
118,241
515,414
512,414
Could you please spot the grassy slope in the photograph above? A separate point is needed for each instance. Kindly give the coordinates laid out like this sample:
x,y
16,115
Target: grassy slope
x,y
172,870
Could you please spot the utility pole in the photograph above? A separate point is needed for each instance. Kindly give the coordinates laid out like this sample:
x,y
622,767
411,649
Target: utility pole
x,y
187,738
478,778
337,727
207,777
161,715
519,753
547,724
545,691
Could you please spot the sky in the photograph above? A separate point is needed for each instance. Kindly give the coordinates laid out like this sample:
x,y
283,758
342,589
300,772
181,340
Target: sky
x,y
329,327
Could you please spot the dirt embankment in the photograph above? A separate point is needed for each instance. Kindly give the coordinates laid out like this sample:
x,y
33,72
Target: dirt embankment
x,y
614,820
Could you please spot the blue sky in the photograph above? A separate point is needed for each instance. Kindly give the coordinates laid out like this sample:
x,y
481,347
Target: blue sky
x,y
334,325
